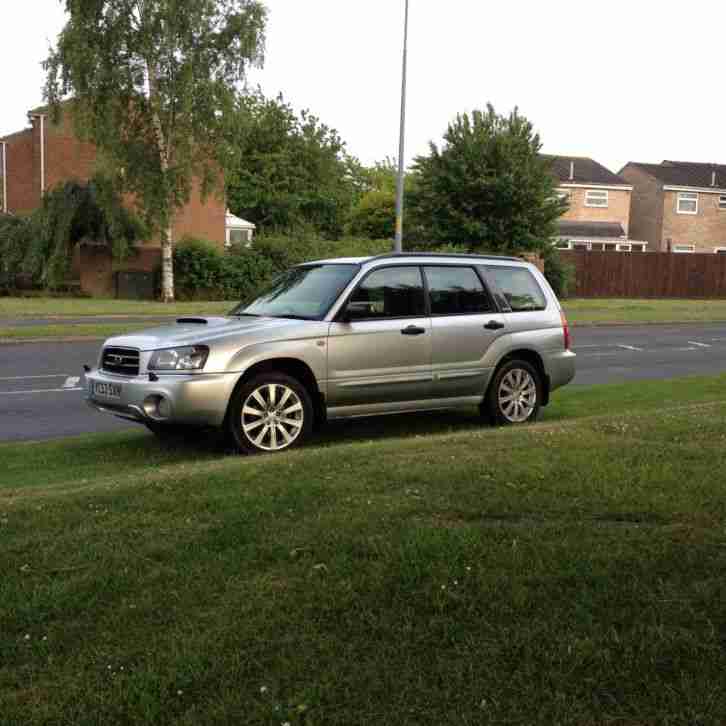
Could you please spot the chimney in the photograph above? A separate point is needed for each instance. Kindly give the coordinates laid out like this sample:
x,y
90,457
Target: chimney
x,y
713,178
572,171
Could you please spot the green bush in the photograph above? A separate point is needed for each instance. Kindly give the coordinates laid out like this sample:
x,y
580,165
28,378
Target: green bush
x,y
203,271
559,274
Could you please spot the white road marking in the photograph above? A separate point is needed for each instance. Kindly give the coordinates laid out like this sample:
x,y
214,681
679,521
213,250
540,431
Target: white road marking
x,y
40,390
72,382
680,350
700,345
27,378
630,347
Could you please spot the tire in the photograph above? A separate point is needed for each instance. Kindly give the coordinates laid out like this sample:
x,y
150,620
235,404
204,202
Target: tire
x,y
270,413
515,394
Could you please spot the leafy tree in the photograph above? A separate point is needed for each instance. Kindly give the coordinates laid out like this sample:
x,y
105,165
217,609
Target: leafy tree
x,y
374,216
488,187
153,82
293,172
41,245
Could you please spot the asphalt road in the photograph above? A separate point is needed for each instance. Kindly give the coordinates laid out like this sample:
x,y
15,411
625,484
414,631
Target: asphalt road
x,y
41,384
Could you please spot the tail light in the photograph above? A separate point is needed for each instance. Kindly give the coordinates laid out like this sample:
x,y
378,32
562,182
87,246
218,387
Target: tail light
x,y
565,329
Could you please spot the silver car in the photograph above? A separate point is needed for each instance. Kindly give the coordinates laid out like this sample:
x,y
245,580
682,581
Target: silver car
x,y
348,337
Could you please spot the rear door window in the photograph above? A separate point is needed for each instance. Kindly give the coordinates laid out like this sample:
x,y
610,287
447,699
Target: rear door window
x,y
518,288
456,291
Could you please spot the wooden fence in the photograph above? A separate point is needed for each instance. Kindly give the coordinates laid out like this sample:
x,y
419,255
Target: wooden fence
x,y
647,274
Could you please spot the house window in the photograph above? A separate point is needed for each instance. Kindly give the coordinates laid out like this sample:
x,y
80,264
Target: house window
x,y
719,250
637,248
684,249
610,247
563,244
722,201
580,246
687,203
596,198
624,248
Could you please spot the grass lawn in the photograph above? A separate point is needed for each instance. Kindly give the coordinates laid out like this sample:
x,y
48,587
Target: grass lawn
x,y
412,570
79,330
48,307
644,311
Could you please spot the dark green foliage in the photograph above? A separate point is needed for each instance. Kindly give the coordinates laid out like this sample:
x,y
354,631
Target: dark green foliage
x,y
41,245
293,172
559,274
375,215
487,187
205,272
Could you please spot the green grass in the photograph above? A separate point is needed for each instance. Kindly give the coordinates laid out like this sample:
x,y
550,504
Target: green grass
x,y
412,570
45,307
80,330
644,311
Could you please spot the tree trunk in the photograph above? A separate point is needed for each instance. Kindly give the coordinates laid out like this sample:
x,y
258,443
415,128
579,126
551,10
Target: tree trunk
x,y
167,267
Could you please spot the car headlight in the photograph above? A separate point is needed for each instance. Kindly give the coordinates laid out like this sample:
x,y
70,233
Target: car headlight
x,y
189,358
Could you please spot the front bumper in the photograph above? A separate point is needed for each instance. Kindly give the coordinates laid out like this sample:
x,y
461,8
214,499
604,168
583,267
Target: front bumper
x,y
196,399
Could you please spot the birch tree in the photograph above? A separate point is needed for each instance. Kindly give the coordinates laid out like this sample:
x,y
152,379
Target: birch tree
x,y
152,83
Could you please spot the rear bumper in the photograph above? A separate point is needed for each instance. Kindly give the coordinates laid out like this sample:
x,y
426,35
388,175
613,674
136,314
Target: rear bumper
x,y
561,368
198,399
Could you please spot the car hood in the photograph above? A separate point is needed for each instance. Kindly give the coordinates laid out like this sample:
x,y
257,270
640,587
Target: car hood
x,y
208,330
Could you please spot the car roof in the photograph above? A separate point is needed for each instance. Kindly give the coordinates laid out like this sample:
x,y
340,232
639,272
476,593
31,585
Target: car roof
x,y
418,257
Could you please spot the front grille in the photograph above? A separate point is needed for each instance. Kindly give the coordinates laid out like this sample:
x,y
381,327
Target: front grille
x,y
124,361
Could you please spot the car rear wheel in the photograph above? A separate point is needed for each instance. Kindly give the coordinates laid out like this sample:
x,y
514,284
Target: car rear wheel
x,y
270,413
515,394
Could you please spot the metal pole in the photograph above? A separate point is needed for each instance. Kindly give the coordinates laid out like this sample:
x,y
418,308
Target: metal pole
x,y
401,143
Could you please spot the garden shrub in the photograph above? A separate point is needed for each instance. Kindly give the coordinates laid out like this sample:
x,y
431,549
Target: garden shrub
x,y
559,274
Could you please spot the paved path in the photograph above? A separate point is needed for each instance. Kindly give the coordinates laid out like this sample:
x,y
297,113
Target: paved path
x,y
41,384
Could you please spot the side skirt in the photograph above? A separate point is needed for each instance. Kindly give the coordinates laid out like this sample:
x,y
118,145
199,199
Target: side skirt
x,y
387,409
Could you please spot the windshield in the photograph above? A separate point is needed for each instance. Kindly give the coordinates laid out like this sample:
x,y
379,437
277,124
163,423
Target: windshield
x,y
305,292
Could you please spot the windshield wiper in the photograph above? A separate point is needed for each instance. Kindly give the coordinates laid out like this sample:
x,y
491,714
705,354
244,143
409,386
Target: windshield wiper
x,y
291,317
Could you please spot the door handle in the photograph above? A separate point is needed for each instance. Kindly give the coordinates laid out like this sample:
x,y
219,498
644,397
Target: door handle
x,y
494,325
413,330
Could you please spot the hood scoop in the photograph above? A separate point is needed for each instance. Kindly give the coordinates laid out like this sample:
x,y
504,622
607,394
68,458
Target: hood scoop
x,y
193,321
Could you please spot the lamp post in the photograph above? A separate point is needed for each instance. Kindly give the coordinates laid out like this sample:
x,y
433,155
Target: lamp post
x,y
401,143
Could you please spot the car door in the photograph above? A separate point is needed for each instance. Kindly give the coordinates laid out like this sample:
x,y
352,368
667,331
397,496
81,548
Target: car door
x,y
464,322
380,351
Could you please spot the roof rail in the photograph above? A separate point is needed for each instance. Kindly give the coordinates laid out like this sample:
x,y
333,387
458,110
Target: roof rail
x,y
458,255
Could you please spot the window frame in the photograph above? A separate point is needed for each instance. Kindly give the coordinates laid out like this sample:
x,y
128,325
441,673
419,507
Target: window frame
x,y
500,299
721,205
719,250
340,314
602,194
690,251
687,197
494,308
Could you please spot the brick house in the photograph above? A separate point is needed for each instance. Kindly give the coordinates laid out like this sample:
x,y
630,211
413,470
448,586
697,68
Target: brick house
x,y
46,154
679,206
598,216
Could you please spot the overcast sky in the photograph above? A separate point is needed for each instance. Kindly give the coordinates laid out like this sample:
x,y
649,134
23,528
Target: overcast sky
x,y
625,80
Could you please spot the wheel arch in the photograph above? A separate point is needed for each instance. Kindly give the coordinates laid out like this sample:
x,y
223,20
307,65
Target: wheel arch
x,y
293,367
533,358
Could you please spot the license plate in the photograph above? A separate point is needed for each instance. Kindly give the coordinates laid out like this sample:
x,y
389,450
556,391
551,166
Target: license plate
x,y
107,390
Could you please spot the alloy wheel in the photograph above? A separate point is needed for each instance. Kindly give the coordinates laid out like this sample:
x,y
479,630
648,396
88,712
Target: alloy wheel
x,y
517,396
272,417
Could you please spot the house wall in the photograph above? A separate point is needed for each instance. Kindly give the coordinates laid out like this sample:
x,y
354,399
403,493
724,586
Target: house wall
x,y
706,230
23,196
618,209
68,158
646,207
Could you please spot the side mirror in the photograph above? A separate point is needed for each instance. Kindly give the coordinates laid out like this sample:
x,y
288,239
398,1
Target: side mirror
x,y
355,311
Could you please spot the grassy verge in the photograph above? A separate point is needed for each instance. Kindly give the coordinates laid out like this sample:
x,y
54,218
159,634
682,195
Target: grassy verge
x,y
644,311
39,307
415,570
81,330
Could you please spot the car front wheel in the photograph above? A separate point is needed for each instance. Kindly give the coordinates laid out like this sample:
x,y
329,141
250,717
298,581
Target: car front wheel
x,y
270,413
514,395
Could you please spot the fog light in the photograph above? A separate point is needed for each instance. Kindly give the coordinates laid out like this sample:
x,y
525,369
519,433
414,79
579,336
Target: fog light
x,y
157,407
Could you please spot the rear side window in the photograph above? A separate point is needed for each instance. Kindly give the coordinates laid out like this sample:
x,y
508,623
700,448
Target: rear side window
x,y
456,291
519,288
394,292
